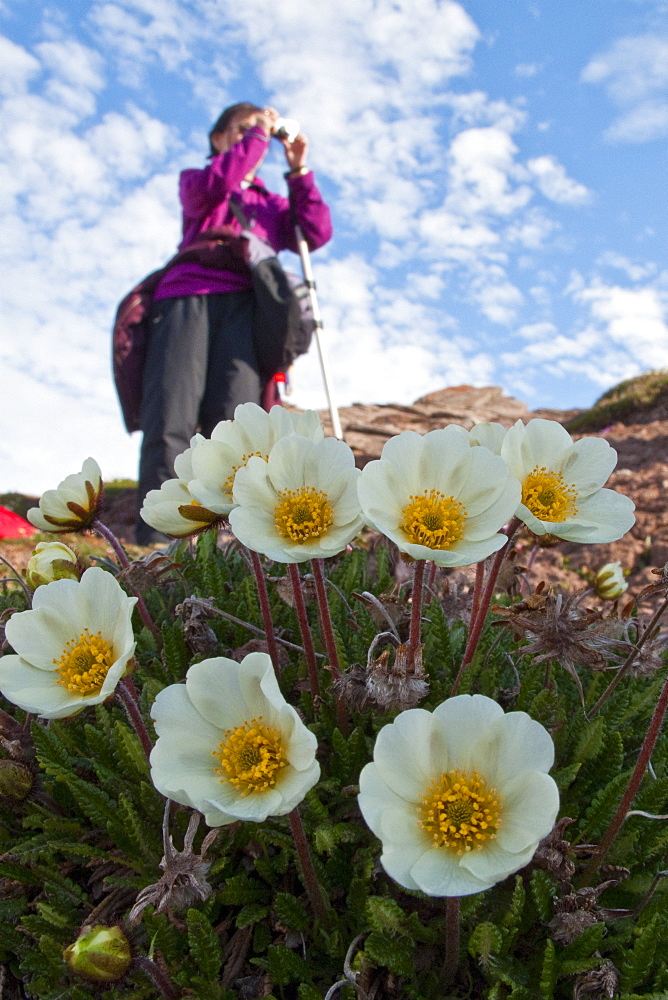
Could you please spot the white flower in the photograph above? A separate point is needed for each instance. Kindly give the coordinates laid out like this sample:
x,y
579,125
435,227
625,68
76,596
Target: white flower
x,y
609,581
173,509
253,432
74,505
229,745
438,498
490,435
561,483
301,503
51,561
460,797
72,648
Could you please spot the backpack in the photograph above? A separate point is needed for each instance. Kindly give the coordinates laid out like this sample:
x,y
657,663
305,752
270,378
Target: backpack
x,y
283,321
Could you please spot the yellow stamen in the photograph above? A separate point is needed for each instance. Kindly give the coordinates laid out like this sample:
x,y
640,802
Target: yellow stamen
x,y
250,757
229,482
460,812
434,520
303,514
548,497
85,663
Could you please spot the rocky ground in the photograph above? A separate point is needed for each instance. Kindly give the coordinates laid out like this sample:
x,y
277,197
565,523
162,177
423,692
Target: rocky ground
x,y
641,441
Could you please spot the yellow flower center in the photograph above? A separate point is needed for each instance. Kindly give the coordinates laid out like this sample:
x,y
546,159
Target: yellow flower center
x,y
229,482
85,663
303,514
434,520
548,497
460,812
250,757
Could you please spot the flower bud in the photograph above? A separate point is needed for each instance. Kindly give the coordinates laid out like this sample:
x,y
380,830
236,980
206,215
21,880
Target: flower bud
x,y
51,561
100,954
16,780
609,582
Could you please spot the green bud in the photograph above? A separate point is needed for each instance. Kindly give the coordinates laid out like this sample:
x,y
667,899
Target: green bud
x,y
16,780
610,583
51,561
100,954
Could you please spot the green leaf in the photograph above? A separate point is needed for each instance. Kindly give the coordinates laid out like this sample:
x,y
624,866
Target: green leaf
x,y
385,915
549,971
542,888
251,914
204,944
637,965
591,740
291,912
486,940
395,954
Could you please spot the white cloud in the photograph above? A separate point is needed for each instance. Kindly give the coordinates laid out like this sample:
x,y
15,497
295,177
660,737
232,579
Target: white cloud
x,y
555,183
634,71
634,318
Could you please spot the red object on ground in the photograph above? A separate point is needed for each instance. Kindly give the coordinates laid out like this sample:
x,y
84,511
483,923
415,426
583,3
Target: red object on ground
x,y
14,526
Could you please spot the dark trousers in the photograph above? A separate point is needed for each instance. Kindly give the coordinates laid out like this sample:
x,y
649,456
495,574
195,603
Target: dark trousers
x,y
201,363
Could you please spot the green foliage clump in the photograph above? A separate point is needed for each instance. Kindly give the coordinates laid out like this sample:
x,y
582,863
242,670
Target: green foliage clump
x,y
85,846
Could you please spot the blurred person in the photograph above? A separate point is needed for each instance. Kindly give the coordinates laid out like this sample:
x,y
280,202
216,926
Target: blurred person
x,y
201,359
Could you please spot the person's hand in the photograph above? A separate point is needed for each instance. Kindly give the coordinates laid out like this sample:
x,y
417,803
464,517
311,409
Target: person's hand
x,y
295,151
266,119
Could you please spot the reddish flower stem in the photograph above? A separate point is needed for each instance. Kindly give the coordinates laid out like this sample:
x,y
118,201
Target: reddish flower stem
x,y
451,963
127,695
415,626
325,618
265,608
477,622
644,757
431,575
327,632
305,629
162,983
315,892
110,537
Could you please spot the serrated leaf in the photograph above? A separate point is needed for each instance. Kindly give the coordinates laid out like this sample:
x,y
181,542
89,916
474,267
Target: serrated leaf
x,y
485,941
251,914
204,944
385,915
395,954
291,912
549,971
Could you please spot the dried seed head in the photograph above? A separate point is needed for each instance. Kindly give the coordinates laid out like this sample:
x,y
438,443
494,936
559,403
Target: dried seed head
x,y
183,883
597,984
400,686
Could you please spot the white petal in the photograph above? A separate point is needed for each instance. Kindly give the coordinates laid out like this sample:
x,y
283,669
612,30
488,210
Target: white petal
x,y
438,873
514,743
464,720
214,689
410,752
530,807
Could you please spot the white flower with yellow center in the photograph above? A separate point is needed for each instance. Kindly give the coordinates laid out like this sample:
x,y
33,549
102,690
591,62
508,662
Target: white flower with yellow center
x,y
229,745
562,483
51,561
173,509
252,433
72,648
74,505
460,797
438,498
301,503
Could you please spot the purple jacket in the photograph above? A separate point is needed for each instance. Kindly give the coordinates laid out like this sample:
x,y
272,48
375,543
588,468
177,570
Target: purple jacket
x,y
205,198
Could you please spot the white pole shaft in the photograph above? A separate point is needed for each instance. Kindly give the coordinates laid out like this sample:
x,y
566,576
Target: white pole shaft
x,y
308,278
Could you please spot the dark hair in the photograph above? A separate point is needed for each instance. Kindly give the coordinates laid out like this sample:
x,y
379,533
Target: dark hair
x,y
223,121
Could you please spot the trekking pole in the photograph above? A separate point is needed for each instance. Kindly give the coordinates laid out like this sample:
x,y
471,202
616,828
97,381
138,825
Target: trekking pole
x,y
310,284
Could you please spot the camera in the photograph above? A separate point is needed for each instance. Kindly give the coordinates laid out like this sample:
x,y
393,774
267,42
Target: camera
x,y
286,128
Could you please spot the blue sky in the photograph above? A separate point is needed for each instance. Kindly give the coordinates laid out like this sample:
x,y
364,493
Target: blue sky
x,y
496,172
